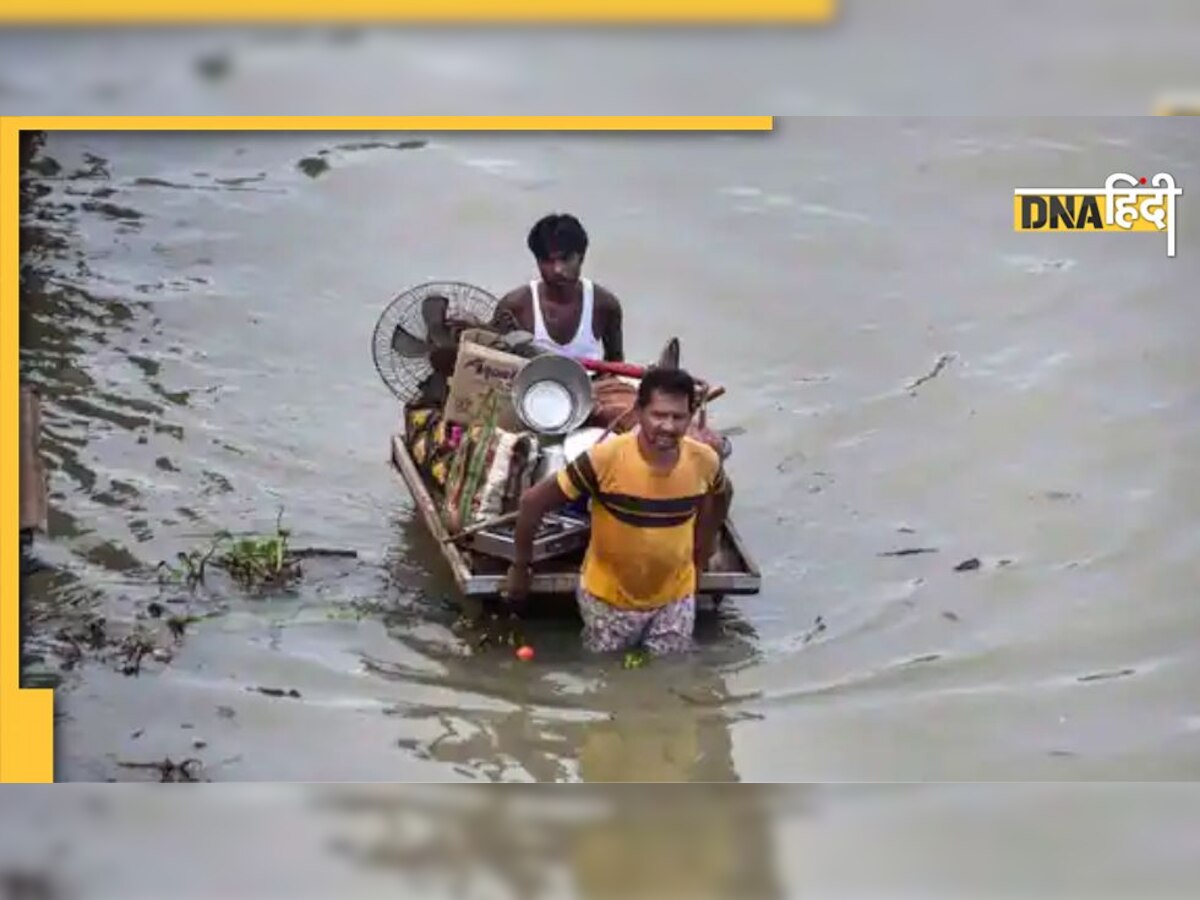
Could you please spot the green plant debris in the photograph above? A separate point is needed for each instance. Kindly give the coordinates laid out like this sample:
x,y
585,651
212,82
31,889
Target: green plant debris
x,y
255,562
489,630
190,571
635,659
137,644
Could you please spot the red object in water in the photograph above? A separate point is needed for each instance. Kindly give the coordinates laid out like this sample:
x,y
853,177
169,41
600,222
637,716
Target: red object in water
x,y
525,653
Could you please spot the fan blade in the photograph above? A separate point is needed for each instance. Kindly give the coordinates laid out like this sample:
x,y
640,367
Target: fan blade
x,y
433,390
408,345
434,310
443,360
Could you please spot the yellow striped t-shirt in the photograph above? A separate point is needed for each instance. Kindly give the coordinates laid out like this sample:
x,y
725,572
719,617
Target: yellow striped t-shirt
x,y
643,519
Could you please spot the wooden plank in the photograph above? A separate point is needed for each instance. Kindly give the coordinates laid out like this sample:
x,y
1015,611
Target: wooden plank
x,y
735,538
726,583
33,500
404,463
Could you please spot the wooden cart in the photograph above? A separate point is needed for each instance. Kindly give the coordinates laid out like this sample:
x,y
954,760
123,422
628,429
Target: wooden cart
x,y
731,572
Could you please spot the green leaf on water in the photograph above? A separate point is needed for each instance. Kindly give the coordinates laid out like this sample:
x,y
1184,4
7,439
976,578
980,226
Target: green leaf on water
x,y
635,659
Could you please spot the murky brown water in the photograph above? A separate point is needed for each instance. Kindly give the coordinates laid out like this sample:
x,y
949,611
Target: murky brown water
x,y
201,336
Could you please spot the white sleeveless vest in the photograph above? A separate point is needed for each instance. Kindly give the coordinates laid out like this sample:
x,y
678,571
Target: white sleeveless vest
x,y
585,344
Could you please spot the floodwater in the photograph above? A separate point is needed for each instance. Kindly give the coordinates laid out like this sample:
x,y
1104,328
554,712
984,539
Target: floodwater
x,y
197,312
707,841
922,57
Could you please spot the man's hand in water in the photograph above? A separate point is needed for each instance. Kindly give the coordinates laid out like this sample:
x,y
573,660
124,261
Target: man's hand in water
x,y
516,586
535,503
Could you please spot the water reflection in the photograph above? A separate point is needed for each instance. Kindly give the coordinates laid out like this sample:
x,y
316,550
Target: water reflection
x,y
172,411
661,841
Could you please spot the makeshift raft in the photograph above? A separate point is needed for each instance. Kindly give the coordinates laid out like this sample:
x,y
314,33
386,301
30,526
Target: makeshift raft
x,y
731,571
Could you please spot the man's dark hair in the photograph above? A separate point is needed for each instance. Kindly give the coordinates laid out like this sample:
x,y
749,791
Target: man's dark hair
x,y
557,233
673,382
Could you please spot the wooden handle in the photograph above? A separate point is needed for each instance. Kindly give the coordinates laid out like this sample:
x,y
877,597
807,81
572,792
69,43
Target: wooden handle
x,y
614,368
634,371
480,526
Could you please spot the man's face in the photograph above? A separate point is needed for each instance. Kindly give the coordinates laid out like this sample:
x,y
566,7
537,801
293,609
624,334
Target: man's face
x,y
560,268
664,420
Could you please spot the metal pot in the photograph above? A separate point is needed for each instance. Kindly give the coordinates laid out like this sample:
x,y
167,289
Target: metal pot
x,y
552,394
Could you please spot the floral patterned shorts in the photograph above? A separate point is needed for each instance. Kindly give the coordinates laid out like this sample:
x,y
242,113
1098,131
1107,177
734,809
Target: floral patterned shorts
x,y
667,629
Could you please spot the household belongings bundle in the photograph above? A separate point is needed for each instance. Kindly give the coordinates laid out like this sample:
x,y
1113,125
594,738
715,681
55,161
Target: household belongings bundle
x,y
507,422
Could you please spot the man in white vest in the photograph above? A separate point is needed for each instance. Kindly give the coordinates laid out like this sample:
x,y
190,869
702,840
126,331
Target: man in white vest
x,y
565,312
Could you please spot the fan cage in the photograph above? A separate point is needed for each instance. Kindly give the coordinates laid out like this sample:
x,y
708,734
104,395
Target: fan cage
x,y
405,375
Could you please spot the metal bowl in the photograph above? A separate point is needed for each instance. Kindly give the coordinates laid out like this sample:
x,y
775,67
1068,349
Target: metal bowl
x,y
552,394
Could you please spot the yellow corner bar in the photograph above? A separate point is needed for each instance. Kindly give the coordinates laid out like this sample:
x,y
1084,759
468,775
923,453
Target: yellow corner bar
x,y
1178,107
394,123
27,716
41,12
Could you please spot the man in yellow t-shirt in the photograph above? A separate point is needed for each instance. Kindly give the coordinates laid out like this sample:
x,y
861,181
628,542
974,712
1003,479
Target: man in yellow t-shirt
x,y
657,500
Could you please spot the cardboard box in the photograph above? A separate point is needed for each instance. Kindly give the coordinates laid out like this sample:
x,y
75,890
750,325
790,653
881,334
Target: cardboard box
x,y
478,371
483,337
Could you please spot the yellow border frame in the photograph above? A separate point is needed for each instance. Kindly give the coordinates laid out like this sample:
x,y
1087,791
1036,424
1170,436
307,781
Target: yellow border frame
x,y
1178,106
27,716
527,12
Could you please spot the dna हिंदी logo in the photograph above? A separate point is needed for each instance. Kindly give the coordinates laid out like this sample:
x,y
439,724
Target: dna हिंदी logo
x,y
1125,203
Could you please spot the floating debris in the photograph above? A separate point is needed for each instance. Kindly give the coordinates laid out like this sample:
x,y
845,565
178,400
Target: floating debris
x,y
112,211
1061,495
928,657
491,630
415,144
258,563
214,66
909,551
169,771
276,692
255,562
313,166
967,565
133,648
942,361
635,659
